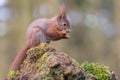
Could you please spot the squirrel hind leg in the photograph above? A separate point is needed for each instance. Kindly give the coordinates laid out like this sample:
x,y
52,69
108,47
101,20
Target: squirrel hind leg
x,y
34,37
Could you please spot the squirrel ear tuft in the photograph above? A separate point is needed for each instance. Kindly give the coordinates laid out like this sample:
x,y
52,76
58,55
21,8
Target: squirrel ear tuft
x,y
62,12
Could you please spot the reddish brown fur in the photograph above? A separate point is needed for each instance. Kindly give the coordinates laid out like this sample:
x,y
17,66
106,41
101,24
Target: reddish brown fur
x,y
44,31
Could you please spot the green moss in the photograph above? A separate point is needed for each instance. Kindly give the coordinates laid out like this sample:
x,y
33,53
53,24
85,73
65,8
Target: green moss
x,y
100,71
52,72
24,63
41,60
47,73
44,57
44,46
12,74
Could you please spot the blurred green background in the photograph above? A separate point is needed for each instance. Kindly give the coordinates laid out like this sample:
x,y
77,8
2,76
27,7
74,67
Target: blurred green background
x,y
95,26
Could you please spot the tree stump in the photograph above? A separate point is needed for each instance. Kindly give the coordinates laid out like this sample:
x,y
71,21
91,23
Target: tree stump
x,y
46,63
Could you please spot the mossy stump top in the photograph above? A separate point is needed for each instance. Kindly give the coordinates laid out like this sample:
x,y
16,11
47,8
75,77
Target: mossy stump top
x,y
46,63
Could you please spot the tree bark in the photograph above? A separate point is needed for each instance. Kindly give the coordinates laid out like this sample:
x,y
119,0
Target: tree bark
x,y
46,63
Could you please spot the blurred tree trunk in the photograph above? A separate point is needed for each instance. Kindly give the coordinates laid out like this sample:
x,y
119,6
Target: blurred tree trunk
x,y
26,13
97,37
116,46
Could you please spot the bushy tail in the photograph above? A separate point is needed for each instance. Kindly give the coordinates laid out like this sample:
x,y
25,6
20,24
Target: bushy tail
x,y
19,59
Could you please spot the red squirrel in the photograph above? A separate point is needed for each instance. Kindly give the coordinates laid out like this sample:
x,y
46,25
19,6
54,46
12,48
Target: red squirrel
x,y
44,31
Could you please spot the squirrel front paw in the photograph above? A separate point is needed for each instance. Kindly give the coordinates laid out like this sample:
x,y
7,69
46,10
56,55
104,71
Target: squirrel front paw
x,y
65,34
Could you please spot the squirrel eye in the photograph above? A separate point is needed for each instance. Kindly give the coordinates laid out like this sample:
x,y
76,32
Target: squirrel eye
x,y
64,24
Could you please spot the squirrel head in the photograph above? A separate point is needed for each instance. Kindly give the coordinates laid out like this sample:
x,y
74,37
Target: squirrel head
x,y
63,22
